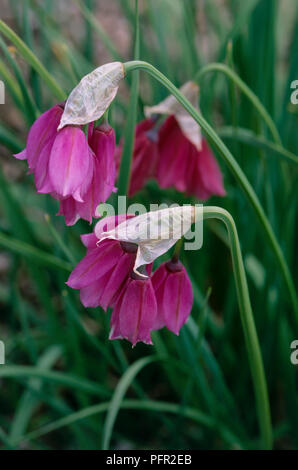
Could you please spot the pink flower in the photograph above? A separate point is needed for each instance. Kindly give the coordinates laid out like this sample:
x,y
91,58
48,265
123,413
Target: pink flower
x,y
183,166
174,296
102,273
101,148
78,172
107,277
135,311
145,155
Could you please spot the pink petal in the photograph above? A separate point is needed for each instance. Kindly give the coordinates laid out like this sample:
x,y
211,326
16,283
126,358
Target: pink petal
x,y
68,209
90,130
158,280
41,175
95,264
116,281
173,150
177,300
21,155
209,170
43,131
93,196
102,143
89,240
138,311
70,165
115,332
145,156
91,294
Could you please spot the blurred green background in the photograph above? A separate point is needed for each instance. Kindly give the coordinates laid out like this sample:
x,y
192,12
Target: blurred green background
x,y
65,385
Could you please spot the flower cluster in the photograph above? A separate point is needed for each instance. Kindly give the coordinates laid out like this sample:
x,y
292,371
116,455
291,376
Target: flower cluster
x,y
167,155
80,172
141,301
75,161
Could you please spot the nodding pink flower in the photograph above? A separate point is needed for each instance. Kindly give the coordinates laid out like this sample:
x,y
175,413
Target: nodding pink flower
x,y
135,311
102,273
78,172
145,155
101,148
183,166
174,296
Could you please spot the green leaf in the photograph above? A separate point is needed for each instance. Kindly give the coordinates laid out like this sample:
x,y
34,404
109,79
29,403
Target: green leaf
x,y
31,59
129,134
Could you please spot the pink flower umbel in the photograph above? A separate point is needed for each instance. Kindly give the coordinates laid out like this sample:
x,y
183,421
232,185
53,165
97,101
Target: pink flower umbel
x,y
174,296
135,311
145,155
79,173
116,272
102,273
106,278
185,167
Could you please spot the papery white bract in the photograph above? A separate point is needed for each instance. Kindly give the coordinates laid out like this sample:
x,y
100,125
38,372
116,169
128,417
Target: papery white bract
x,y
93,95
170,106
154,232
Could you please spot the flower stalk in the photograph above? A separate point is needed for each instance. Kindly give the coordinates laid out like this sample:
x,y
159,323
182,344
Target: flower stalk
x,y
246,91
248,324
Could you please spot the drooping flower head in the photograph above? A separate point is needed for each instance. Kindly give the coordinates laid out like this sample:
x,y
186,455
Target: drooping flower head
x,y
116,272
104,270
78,171
181,156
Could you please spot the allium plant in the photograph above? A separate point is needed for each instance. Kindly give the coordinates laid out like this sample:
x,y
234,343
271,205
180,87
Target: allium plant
x,y
145,283
71,152
112,275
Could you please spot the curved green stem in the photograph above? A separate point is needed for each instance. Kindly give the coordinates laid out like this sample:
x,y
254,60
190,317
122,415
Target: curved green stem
x,y
177,250
234,168
246,91
28,55
248,324
248,137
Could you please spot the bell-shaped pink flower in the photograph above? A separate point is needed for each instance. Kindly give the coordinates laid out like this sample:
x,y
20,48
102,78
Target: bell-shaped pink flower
x,y
184,167
102,149
135,311
102,142
174,296
71,164
102,273
145,155
77,171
